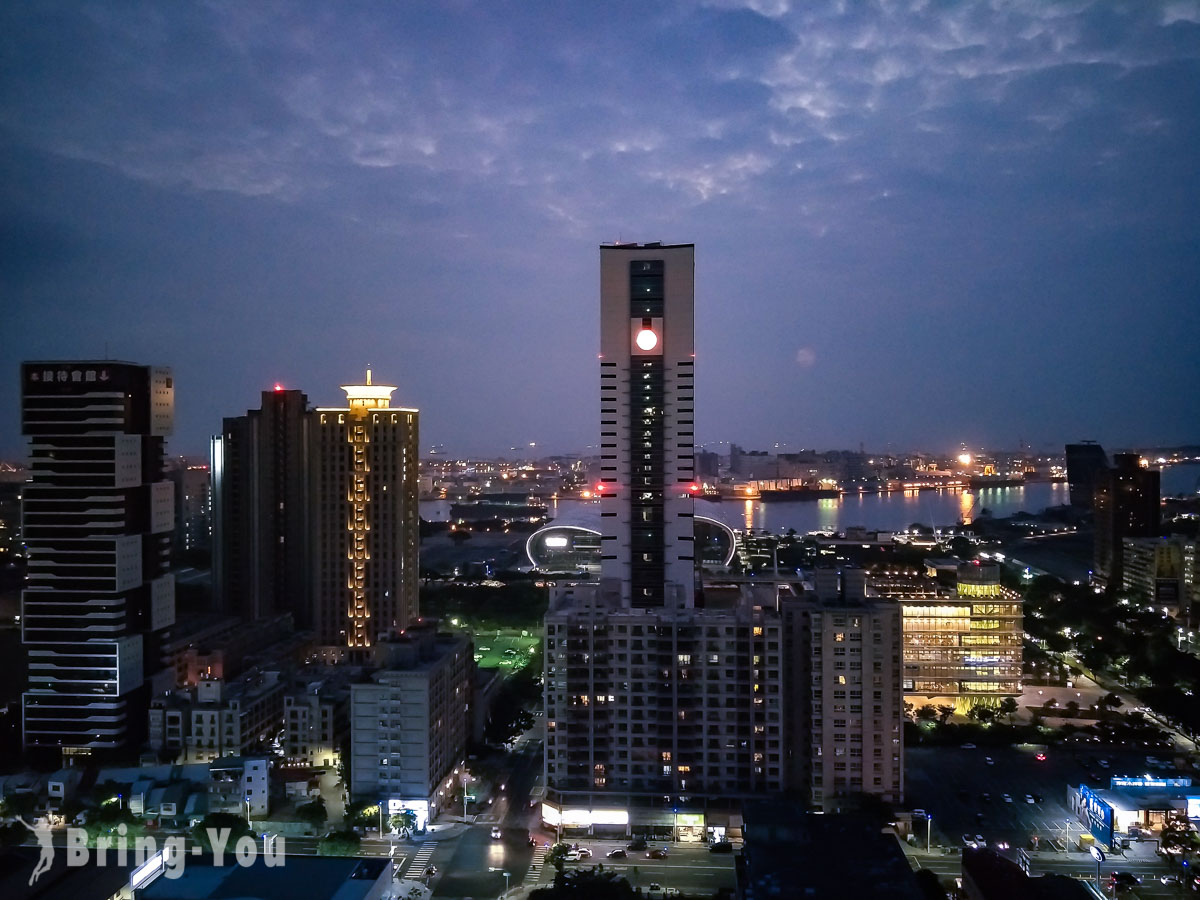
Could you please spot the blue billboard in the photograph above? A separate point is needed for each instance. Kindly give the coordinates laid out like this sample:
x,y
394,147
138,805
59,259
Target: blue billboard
x,y
1099,815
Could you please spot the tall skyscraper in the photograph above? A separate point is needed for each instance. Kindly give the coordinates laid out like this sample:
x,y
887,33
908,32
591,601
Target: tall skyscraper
x,y
262,529
1126,505
316,514
98,518
662,713
647,402
366,526
1085,463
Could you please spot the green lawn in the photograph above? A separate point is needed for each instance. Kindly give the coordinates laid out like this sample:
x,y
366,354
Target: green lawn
x,y
490,649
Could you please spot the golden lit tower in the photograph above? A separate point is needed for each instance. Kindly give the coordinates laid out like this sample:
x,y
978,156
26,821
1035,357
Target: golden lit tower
x,y
366,521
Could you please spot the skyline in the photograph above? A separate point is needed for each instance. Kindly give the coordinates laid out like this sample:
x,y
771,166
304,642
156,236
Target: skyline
x,y
914,227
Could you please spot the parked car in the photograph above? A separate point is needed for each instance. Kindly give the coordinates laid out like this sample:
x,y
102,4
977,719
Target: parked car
x,y
989,760
969,841
1029,798
968,746
657,853
720,847
1007,798
979,841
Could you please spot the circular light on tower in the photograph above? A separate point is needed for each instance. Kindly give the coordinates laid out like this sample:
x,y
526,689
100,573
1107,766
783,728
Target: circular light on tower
x,y
646,339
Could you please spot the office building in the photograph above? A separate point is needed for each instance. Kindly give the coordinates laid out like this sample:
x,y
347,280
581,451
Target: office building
x,y
1126,506
962,646
97,521
1160,572
365,519
409,723
1085,463
261,510
647,401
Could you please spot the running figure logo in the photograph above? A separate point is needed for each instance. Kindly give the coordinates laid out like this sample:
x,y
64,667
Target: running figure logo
x,y
41,830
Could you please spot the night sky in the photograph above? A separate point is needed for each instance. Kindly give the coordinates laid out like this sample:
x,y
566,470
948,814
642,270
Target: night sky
x,y
917,224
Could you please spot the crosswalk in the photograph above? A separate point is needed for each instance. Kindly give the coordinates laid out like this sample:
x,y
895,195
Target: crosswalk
x,y
535,867
420,859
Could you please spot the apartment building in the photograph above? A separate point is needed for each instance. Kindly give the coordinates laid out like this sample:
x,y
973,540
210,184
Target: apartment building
x,y
316,721
216,719
409,724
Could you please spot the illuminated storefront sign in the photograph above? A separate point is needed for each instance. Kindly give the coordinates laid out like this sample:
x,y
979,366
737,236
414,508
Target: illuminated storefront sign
x,y
583,818
1099,814
1147,782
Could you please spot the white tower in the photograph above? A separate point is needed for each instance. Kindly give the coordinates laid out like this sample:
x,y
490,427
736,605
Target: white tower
x,y
647,442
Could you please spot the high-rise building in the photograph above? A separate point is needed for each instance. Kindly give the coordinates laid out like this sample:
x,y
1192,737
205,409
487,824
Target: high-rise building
x,y
664,710
366,526
1126,505
1085,462
316,514
97,520
262,508
845,705
409,724
193,505
647,403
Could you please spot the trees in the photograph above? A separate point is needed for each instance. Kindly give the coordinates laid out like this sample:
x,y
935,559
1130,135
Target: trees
x,y
558,855
212,824
1072,708
982,714
313,813
1009,708
592,883
926,713
944,713
405,820
339,843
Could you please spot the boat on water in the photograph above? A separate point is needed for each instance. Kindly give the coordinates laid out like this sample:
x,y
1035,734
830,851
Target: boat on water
x,y
994,481
799,493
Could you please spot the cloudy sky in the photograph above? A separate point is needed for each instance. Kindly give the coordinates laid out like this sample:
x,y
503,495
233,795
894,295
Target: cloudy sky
x,y
916,223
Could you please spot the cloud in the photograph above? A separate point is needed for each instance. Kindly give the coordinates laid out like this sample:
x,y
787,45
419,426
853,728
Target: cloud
x,y
806,357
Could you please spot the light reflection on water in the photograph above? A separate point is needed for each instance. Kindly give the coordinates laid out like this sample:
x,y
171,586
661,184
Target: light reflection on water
x,y
883,512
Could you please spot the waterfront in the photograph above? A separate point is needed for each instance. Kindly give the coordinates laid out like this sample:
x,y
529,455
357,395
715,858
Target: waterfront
x,y
893,511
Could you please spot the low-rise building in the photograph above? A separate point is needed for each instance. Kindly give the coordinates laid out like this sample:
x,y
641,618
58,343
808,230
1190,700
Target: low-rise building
x,y
409,723
316,723
217,719
239,785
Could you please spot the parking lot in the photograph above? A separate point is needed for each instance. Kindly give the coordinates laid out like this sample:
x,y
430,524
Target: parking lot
x,y
965,794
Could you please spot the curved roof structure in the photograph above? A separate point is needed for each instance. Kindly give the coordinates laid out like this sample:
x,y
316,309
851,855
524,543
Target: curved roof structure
x,y
563,547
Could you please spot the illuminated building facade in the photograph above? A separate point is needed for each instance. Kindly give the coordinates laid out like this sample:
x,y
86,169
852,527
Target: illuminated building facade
x,y
647,401
964,646
98,515
365,518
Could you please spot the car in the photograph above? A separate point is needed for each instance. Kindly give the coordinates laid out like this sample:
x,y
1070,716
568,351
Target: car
x,y
584,852
920,814
654,891
496,835
969,841
989,760
1171,879
720,847
986,797
1123,879
968,746
1102,763
979,841
1041,757
619,853
1007,798
572,856
657,853
531,841
636,844
430,871
1029,798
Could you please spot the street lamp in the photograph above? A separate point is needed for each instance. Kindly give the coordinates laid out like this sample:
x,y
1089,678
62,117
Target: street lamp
x,y
247,807
928,833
